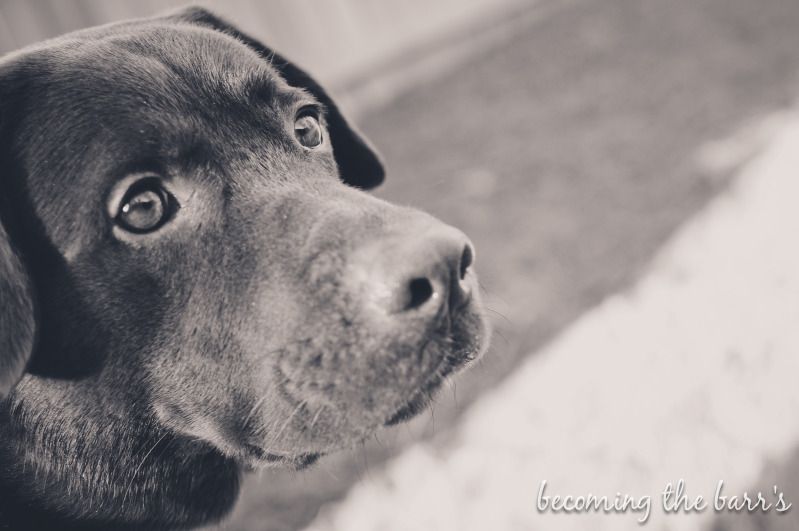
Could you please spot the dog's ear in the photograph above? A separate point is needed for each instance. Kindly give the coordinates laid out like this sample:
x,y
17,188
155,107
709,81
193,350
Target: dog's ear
x,y
17,323
16,313
358,163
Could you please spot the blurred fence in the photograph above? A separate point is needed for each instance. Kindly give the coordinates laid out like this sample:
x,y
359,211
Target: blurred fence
x,y
337,39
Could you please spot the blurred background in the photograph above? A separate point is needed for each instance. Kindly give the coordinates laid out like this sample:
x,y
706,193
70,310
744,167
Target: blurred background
x,y
571,140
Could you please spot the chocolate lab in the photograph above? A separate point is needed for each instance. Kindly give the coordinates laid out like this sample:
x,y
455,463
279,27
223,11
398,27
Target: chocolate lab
x,y
193,281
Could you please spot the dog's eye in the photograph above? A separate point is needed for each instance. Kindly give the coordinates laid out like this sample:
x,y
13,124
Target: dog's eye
x,y
307,128
145,207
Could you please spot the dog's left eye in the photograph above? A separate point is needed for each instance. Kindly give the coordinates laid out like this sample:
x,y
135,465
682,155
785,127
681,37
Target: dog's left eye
x,y
145,207
307,129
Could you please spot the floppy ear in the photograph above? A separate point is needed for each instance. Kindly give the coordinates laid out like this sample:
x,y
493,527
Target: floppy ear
x,y
16,316
358,163
16,301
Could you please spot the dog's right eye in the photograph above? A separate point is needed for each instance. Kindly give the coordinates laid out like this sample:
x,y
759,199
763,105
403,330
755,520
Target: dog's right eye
x,y
145,207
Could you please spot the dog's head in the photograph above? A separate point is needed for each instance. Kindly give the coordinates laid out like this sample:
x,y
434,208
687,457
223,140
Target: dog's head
x,y
187,254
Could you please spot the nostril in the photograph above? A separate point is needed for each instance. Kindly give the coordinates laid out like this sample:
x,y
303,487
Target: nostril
x,y
421,291
466,260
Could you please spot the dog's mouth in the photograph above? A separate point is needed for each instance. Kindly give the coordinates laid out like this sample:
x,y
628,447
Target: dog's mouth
x,y
316,421
426,392
258,458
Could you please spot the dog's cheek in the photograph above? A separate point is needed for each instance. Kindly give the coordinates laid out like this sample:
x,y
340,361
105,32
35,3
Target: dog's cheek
x,y
202,383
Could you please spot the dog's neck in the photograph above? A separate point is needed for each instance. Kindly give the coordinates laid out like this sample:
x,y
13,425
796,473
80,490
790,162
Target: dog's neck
x,y
113,476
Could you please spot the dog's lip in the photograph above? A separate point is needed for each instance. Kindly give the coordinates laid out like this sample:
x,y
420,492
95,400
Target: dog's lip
x,y
417,403
257,456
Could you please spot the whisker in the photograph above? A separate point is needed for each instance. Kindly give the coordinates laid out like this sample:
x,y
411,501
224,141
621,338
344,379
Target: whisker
x,y
482,287
502,336
331,473
129,488
492,310
365,461
254,409
489,293
454,389
288,420
316,417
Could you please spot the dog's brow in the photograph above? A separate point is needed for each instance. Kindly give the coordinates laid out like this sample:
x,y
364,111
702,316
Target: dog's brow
x,y
261,87
188,152
298,97
195,152
285,97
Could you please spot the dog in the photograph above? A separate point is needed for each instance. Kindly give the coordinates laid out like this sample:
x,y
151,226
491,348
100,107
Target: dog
x,y
194,281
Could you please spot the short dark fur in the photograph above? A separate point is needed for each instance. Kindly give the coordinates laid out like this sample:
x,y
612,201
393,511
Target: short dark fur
x,y
143,374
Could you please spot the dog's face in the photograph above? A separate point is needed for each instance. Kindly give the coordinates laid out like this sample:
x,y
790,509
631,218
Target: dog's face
x,y
184,222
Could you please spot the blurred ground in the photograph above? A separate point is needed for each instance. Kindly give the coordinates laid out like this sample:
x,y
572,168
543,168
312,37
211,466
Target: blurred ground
x,y
689,375
569,154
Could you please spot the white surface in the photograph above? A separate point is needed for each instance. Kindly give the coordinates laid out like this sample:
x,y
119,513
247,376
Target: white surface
x,y
690,375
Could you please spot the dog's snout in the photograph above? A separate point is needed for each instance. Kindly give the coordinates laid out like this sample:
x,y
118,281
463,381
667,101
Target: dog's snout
x,y
419,274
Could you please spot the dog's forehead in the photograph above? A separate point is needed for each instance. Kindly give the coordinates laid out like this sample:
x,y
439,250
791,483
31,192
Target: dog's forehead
x,y
173,62
145,85
205,57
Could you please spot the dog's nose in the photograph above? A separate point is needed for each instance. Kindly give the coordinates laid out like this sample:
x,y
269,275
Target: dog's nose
x,y
420,273
435,272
